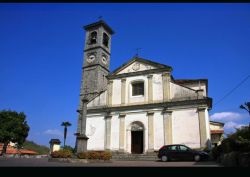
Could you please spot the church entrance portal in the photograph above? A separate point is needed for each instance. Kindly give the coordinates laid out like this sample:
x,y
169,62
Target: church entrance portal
x,y
137,142
136,138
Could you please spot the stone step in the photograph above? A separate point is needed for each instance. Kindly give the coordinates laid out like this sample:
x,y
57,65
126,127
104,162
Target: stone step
x,y
133,157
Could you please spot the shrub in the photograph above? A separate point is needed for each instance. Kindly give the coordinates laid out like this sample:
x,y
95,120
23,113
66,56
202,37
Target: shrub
x,y
63,153
101,155
105,155
216,152
229,145
83,155
94,155
243,144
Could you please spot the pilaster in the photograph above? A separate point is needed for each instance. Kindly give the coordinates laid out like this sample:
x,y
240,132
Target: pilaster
x,y
107,139
166,86
150,131
202,127
150,88
123,90
167,125
122,132
110,92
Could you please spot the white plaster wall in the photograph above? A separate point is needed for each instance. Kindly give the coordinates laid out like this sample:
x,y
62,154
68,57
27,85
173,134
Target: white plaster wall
x,y
158,130
132,117
116,94
135,99
177,91
157,87
185,127
99,100
142,67
215,127
115,125
95,131
56,147
196,87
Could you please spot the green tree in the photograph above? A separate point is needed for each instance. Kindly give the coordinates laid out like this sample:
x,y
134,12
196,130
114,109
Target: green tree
x,y
246,107
66,125
13,128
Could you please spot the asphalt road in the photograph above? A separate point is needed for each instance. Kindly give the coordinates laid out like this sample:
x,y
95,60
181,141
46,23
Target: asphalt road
x,y
43,162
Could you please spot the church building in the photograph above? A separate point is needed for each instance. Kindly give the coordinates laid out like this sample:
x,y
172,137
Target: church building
x,y
140,106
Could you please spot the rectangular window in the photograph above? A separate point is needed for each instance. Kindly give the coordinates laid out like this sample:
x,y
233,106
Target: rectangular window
x,y
138,88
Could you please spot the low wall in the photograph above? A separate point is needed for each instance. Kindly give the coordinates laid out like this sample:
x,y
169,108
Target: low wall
x,y
75,160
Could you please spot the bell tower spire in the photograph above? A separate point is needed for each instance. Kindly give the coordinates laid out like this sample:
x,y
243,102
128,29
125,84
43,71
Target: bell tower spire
x,y
95,68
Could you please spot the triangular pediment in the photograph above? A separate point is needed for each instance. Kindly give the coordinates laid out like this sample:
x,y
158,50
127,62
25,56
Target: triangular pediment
x,y
137,65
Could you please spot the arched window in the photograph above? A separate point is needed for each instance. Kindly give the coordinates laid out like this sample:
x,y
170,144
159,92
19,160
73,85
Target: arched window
x,y
137,88
105,40
93,37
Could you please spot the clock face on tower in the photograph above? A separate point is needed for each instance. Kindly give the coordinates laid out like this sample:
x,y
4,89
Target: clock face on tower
x,y
91,58
104,59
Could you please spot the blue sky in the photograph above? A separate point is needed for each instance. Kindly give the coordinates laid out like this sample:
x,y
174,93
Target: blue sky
x,y
41,47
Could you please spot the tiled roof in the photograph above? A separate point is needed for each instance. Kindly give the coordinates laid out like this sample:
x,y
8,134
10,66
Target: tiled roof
x,y
217,131
12,150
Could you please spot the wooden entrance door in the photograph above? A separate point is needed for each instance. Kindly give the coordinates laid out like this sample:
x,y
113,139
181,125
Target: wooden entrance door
x,y
137,142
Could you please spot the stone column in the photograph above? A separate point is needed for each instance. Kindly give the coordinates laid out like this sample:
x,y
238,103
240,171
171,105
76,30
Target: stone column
x,y
166,86
167,126
202,126
122,132
150,88
81,145
109,92
107,138
123,90
150,131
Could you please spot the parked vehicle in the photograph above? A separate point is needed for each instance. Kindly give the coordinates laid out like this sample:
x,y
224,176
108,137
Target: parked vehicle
x,y
180,152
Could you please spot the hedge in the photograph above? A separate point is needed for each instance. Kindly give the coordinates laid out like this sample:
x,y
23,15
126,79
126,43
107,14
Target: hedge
x,y
101,155
63,153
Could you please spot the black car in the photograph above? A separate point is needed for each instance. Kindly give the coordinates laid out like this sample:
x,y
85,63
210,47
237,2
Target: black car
x,y
180,152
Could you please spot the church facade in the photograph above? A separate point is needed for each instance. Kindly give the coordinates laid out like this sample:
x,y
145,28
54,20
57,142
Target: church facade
x,y
140,106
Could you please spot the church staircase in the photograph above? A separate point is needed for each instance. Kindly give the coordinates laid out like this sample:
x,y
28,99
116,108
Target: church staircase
x,y
135,157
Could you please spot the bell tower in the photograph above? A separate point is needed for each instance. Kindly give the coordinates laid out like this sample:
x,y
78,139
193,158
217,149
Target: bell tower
x,y
96,59
95,68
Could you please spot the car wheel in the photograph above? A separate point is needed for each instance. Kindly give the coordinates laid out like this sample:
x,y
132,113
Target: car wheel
x,y
197,158
164,158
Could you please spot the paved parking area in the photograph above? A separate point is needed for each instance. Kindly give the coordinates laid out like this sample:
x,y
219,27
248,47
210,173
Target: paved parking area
x,y
43,162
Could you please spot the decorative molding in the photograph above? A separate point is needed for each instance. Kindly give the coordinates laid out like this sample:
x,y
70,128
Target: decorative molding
x,y
92,48
201,109
123,79
150,113
168,112
94,65
194,103
145,72
136,66
165,74
136,127
122,115
110,82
